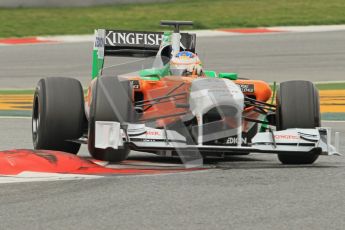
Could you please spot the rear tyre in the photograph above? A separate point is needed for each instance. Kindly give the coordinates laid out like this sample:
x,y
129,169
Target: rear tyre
x,y
111,101
58,114
298,106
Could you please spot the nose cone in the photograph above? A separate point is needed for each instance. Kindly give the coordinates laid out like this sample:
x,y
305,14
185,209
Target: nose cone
x,y
207,93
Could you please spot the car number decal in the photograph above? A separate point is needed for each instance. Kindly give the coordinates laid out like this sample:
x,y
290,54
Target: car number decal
x,y
247,88
135,84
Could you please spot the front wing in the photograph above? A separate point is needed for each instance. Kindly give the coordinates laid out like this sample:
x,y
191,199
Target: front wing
x,y
142,138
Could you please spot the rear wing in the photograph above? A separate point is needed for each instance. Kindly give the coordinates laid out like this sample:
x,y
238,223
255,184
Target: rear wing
x,y
131,44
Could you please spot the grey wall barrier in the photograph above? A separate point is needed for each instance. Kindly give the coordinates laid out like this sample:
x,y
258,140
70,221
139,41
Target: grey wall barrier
x,y
68,3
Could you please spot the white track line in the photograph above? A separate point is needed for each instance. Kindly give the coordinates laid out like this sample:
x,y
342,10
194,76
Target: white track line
x,y
312,28
40,177
14,117
328,82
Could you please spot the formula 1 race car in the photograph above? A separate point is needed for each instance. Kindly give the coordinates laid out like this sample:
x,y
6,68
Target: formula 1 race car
x,y
164,102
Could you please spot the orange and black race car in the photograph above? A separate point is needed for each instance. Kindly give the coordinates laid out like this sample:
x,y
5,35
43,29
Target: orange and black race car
x,y
165,102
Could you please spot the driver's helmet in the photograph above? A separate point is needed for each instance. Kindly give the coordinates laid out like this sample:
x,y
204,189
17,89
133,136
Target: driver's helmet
x,y
185,63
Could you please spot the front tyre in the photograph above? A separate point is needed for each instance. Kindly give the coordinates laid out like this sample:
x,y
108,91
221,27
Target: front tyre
x,y
111,101
298,106
58,114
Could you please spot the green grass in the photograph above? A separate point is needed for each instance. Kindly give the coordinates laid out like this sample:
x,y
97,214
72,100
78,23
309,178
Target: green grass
x,y
16,91
15,113
330,86
333,116
325,86
205,13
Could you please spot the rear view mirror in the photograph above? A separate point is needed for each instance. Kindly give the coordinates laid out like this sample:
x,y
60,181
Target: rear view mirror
x,y
231,76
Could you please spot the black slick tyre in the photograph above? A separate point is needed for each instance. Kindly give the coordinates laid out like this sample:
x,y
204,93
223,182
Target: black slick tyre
x,y
111,101
298,106
58,114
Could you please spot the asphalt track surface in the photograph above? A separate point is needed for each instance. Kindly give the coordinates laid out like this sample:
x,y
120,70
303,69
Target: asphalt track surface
x,y
243,192
248,192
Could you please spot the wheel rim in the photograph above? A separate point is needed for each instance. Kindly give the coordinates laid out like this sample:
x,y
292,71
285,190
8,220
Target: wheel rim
x,y
35,121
